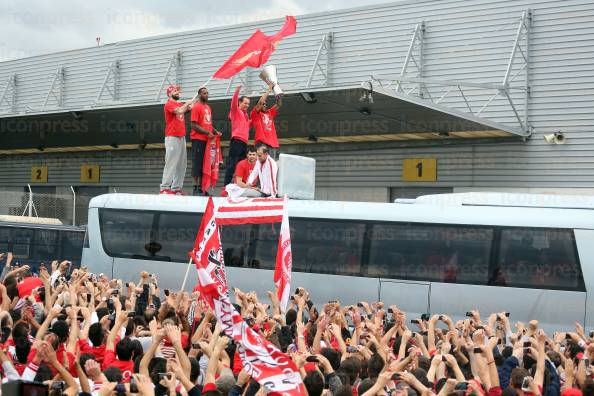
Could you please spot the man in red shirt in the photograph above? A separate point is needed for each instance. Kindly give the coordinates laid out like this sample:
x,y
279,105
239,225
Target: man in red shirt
x,y
240,131
120,355
175,143
242,172
201,132
263,121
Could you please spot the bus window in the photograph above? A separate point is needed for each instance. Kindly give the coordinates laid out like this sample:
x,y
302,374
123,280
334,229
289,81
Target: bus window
x,y
439,253
538,258
5,243
127,233
72,242
237,242
46,247
266,245
176,233
21,239
327,247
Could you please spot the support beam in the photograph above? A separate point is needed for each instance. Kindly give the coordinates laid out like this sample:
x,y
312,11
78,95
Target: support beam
x,y
57,89
9,94
411,75
323,51
174,69
111,82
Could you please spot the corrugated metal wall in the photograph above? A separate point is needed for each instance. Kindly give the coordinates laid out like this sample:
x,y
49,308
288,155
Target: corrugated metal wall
x,y
465,40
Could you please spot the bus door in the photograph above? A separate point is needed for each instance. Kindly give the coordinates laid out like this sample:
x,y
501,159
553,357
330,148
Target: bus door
x,y
411,297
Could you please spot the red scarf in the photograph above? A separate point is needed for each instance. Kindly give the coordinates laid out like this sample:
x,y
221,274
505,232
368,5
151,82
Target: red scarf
x,y
210,170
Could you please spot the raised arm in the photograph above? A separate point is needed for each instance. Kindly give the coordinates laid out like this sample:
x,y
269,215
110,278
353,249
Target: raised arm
x,y
234,109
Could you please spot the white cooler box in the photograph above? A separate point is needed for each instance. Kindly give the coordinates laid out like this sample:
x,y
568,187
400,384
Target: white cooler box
x,y
296,177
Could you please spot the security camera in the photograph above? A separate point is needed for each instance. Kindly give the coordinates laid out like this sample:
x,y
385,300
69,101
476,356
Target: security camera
x,y
557,138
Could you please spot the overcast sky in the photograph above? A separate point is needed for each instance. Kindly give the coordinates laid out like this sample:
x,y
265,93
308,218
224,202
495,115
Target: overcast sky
x,y
41,26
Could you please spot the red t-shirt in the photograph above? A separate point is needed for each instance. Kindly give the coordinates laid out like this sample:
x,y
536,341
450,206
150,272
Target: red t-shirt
x,y
98,351
125,366
243,169
263,122
174,123
60,354
202,115
27,285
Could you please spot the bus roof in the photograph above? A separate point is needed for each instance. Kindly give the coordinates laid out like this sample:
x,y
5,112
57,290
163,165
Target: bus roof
x,y
423,210
30,220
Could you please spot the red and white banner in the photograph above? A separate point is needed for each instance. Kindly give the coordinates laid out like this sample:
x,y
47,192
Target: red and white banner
x,y
251,211
284,262
261,359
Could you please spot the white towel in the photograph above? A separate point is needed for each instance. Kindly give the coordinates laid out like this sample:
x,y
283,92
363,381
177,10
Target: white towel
x,y
266,172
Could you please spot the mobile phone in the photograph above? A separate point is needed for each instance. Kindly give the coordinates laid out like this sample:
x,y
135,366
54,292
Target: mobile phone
x,y
127,284
360,305
567,336
166,292
312,359
131,314
477,350
396,377
298,290
164,375
425,317
526,384
469,314
351,349
115,292
527,344
440,317
89,297
133,386
443,358
592,334
333,302
292,298
195,346
58,385
415,321
390,310
526,351
506,314
41,290
152,306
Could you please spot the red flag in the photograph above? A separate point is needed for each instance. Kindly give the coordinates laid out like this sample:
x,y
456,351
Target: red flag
x,y
256,50
284,262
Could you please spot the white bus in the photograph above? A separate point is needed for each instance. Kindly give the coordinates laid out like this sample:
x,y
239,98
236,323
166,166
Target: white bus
x,y
530,255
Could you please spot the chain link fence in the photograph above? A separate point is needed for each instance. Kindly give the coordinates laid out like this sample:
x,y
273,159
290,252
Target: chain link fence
x,y
64,207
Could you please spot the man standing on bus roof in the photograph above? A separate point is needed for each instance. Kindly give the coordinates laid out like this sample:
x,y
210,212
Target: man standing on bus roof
x,y
263,120
174,171
240,131
201,133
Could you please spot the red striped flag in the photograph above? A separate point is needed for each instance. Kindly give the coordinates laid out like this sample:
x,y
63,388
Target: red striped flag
x,y
250,211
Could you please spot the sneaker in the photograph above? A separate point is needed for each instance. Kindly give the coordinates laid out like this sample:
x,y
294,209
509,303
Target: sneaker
x,y
179,192
196,192
166,191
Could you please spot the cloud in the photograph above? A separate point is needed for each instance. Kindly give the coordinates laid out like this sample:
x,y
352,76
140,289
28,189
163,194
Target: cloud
x,y
40,26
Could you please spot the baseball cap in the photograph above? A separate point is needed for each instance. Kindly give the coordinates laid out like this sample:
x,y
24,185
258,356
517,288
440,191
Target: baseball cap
x,y
171,88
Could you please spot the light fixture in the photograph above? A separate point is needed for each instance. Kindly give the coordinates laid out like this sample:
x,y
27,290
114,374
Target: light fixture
x,y
312,138
308,97
557,138
114,145
444,134
40,148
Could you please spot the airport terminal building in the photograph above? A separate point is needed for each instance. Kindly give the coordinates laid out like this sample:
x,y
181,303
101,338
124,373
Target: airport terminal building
x,y
393,100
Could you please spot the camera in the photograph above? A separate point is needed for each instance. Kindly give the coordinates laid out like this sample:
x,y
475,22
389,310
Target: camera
x,y
425,317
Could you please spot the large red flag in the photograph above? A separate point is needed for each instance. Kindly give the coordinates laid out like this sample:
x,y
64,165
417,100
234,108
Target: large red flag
x,y
256,50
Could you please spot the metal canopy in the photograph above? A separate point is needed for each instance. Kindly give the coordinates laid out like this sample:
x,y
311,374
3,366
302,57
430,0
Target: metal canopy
x,y
320,115
412,86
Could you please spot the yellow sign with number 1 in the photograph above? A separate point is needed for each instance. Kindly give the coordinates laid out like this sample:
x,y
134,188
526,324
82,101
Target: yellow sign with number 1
x,y
89,174
419,170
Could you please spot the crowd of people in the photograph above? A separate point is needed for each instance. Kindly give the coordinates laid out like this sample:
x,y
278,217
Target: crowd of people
x,y
206,145
82,333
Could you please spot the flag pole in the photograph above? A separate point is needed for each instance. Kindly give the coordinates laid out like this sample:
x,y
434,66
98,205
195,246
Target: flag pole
x,y
183,286
202,86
